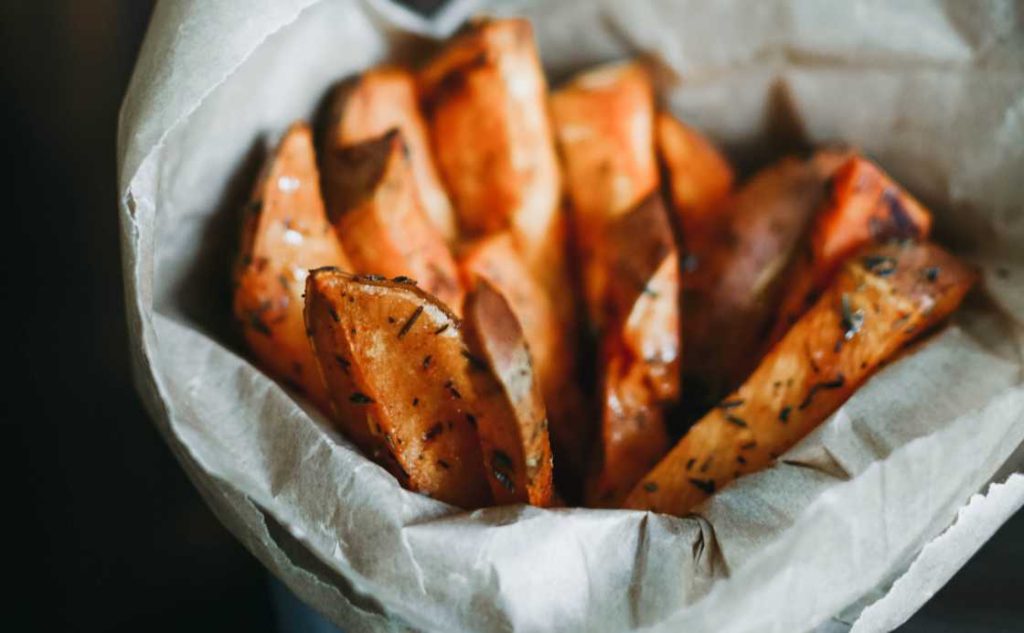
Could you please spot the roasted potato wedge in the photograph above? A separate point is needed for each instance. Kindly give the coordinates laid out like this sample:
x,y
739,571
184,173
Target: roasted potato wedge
x,y
284,234
374,203
496,259
516,448
399,378
380,100
699,177
877,303
485,96
640,350
604,123
730,299
864,206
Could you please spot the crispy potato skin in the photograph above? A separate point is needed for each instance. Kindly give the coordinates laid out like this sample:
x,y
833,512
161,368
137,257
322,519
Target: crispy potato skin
x,y
284,234
514,433
380,100
496,259
641,350
604,123
398,374
730,299
699,177
877,303
374,204
864,206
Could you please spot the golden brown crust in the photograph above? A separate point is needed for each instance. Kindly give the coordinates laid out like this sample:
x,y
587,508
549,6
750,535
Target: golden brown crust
x,y
284,234
878,302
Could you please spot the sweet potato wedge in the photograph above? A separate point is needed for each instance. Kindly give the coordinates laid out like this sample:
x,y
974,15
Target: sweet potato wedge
x,y
604,123
383,99
496,259
374,203
399,378
730,300
864,206
284,234
516,448
485,97
877,303
641,350
699,177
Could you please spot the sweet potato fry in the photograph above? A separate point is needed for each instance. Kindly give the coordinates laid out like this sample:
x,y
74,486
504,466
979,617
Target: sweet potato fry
x,y
284,234
865,206
877,303
516,448
398,375
496,259
699,177
730,300
383,99
640,350
485,96
604,123
374,204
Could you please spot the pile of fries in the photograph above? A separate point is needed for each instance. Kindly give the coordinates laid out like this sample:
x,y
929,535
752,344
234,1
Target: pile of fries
x,y
505,295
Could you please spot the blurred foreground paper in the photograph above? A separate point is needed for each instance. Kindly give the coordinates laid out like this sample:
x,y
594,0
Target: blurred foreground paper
x,y
934,91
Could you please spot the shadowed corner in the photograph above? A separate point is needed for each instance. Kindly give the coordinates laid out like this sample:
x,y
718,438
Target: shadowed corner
x,y
204,294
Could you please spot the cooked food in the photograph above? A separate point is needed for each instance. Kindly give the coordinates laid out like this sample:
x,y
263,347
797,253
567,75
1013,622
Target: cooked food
x,y
864,206
604,122
615,281
374,203
878,302
640,350
380,100
513,425
399,379
699,178
496,259
284,234
485,97
731,297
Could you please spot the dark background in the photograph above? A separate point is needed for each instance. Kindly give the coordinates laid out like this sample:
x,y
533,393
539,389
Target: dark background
x,y
108,533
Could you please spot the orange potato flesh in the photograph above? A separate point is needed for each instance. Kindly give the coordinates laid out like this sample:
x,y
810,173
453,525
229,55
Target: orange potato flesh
x,y
496,259
516,448
285,233
730,299
878,302
399,379
699,177
374,204
865,206
604,123
640,350
485,97
379,100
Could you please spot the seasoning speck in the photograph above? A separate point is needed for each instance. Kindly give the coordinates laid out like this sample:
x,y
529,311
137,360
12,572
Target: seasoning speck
x,y
879,264
410,321
358,397
650,486
707,486
784,414
735,420
731,404
852,320
433,432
